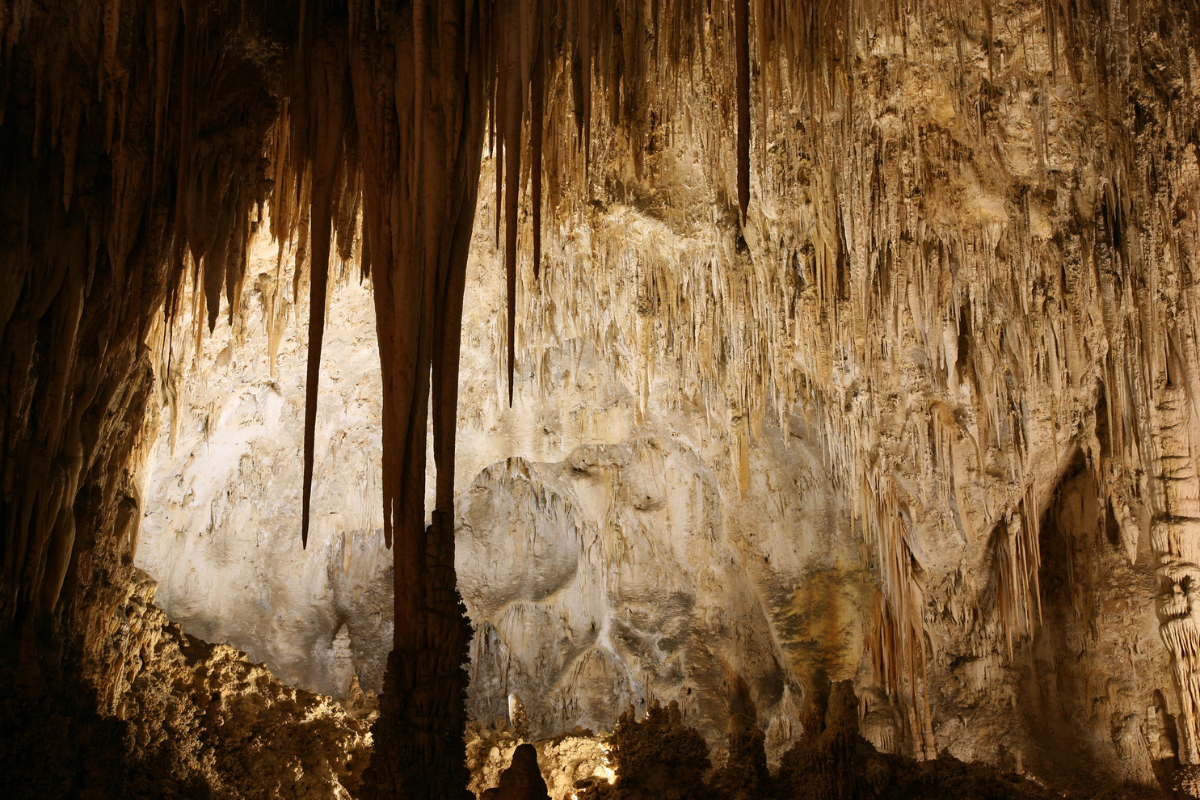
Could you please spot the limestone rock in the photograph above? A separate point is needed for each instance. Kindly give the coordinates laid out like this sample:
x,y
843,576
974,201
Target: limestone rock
x,y
225,478
915,410
566,760
205,714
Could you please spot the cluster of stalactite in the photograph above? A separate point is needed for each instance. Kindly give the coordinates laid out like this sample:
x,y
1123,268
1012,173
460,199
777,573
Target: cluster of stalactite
x,y
938,333
141,138
130,150
141,141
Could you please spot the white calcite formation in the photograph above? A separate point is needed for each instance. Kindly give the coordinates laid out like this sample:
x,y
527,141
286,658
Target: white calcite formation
x,y
613,557
922,421
221,529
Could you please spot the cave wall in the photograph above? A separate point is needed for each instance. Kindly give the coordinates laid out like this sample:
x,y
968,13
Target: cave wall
x,y
224,481
576,556
95,233
225,476
1084,675
967,275
612,547
956,241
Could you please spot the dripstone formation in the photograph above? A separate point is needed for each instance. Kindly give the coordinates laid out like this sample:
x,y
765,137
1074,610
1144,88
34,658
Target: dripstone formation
x,y
925,268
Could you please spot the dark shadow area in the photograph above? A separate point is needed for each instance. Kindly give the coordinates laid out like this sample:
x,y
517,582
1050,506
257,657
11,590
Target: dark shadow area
x,y
1080,694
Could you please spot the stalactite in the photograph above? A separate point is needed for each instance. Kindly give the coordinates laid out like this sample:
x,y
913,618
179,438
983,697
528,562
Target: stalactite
x,y
419,142
741,13
513,65
889,285
164,41
499,116
190,16
326,125
585,59
537,113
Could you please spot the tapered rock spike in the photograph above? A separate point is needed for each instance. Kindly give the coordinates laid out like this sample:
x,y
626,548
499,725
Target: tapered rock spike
x,y
741,12
327,83
537,112
512,107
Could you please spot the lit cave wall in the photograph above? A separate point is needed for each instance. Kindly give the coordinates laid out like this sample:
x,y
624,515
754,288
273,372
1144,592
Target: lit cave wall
x,y
606,551
801,342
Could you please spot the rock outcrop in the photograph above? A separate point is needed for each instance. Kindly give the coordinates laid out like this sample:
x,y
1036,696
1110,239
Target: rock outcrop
x,y
180,718
205,715
661,757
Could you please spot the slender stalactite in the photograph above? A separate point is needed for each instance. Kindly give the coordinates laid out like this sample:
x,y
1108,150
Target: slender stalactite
x,y
190,34
514,92
741,28
537,114
164,43
327,103
499,116
585,58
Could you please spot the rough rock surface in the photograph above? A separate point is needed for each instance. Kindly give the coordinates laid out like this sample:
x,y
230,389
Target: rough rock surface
x,y
566,761
206,715
921,415
220,530
660,757
179,718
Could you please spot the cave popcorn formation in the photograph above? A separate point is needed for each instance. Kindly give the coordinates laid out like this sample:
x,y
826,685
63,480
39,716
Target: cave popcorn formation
x,y
801,345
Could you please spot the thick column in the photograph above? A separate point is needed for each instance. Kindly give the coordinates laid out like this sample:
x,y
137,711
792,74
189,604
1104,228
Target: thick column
x,y
419,91
419,748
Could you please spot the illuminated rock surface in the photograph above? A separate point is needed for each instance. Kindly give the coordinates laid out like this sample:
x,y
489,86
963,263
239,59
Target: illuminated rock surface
x,y
859,346
220,535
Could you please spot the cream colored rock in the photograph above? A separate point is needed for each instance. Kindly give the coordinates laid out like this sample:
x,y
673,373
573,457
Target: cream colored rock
x,y
564,760
921,420
221,531
206,715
